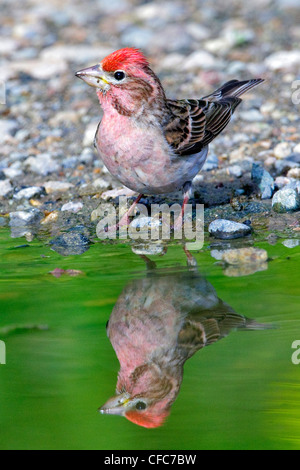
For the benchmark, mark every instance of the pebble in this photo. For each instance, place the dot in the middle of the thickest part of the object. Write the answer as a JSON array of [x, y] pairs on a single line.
[[264, 181], [42, 164], [286, 200], [252, 115], [57, 187], [72, 207], [235, 170], [291, 243], [227, 229], [5, 187], [8, 127], [282, 150], [211, 163], [89, 135], [245, 256], [101, 183], [199, 60], [294, 173], [143, 222], [283, 60], [281, 181], [71, 243], [28, 193], [24, 218]]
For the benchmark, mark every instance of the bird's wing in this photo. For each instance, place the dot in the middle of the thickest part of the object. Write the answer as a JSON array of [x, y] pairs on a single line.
[[195, 123]]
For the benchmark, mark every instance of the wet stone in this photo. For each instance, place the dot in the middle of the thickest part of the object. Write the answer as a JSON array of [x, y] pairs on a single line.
[[227, 229], [286, 200], [71, 243], [264, 181]]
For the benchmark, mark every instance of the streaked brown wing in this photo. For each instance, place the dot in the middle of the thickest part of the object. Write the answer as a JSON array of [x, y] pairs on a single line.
[[195, 123]]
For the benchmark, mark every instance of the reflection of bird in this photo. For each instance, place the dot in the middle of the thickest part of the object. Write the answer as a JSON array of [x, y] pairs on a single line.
[[156, 325], [151, 144]]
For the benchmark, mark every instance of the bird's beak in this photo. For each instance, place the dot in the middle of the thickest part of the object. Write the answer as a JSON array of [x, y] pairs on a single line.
[[93, 76], [116, 405]]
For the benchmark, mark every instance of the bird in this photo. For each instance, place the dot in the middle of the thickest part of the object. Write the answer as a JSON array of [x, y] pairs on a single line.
[[151, 144], [158, 322]]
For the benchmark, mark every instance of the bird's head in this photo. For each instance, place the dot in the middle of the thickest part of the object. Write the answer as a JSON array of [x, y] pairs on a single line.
[[145, 398], [139, 410], [124, 79]]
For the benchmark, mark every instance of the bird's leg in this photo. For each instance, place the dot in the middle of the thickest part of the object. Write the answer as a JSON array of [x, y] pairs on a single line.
[[125, 219], [186, 197]]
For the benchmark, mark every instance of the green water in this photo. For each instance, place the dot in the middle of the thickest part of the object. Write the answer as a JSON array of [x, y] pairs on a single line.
[[239, 393]]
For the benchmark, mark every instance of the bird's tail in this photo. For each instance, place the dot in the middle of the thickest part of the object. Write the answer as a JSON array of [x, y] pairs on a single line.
[[233, 88]]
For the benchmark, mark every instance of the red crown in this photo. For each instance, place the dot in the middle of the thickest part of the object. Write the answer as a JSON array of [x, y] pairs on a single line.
[[122, 58]]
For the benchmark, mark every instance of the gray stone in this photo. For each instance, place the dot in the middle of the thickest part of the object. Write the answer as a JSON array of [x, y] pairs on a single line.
[[42, 164], [24, 218], [28, 193], [72, 207], [211, 163], [264, 181], [226, 229], [291, 243], [71, 243], [5, 187], [286, 200], [8, 127]]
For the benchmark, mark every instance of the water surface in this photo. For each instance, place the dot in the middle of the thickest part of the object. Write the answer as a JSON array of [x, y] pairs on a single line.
[[242, 391]]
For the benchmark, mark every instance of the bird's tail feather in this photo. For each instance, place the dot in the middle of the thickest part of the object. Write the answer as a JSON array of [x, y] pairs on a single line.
[[234, 88]]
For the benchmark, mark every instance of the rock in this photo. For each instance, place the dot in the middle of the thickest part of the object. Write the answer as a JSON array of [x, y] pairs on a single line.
[[114, 193], [286, 200], [245, 256], [199, 60], [74, 53], [296, 149], [142, 222], [71, 243], [291, 243], [42, 164], [57, 186], [5, 188], [282, 150], [28, 193], [89, 134], [8, 127], [281, 181], [226, 229], [39, 68], [72, 207], [211, 163], [235, 170], [100, 183], [283, 60], [264, 180], [251, 115], [3, 221], [294, 173], [147, 249], [24, 218], [137, 36]]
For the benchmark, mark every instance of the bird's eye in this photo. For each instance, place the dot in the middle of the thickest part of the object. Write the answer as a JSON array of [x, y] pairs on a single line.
[[119, 75], [141, 405]]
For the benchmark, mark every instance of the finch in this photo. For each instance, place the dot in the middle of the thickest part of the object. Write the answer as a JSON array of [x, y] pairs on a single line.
[[157, 324], [151, 144]]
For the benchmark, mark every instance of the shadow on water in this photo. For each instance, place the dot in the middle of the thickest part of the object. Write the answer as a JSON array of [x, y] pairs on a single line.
[[157, 324]]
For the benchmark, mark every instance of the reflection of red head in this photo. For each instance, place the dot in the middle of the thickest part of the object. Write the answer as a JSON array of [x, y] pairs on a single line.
[[147, 419]]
